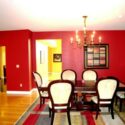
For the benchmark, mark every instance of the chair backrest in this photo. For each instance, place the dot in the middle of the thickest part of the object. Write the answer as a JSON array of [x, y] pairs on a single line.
[[106, 88], [60, 92], [69, 74], [89, 75], [38, 79]]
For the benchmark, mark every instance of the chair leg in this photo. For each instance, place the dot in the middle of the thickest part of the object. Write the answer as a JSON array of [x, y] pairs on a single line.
[[97, 111], [40, 102], [49, 112], [112, 113], [43, 100], [116, 100], [109, 108], [120, 106], [68, 115], [52, 118]]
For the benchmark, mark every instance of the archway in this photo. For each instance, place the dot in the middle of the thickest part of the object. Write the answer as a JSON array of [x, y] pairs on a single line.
[[45, 64]]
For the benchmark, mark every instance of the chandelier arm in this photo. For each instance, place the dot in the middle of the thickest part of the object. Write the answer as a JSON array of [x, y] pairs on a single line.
[[85, 40]]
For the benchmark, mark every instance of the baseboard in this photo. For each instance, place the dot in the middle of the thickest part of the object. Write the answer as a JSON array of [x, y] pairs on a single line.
[[21, 92]]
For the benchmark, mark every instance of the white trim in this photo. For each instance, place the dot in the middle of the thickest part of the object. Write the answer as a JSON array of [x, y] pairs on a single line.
[[21, 92]]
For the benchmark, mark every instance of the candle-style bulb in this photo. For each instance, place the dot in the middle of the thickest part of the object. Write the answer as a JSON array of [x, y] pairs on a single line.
[[71, 40], [100, 39], [93, 33]]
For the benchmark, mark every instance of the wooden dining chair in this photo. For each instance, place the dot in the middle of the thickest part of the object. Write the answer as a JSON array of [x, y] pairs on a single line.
[[89, 76], [42, 90], [60, 93], [89, 79], [106, 90], [69, 74], [121, 97]]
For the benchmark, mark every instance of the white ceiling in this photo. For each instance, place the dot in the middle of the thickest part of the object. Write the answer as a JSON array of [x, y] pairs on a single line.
[[61, 15]]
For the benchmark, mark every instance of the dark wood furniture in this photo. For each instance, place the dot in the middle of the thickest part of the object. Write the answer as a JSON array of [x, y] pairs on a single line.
[[60, 93], [120, 96], [106, 89], [85, 89], [43, 91], [69, 74], [89, 75]]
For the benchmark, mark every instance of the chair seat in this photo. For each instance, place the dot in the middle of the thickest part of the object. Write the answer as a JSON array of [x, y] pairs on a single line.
[[89, 83], [106, 88], [121, 95], [44, 94], [60, 107], [95, 100]]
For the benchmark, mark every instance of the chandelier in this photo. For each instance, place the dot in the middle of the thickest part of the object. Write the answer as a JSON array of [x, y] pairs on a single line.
[[85, 40]]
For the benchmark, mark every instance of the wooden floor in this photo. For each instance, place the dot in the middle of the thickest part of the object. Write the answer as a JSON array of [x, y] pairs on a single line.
[[12, 107]]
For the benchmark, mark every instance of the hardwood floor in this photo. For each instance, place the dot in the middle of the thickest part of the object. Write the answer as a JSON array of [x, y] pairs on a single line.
[[12, 107]]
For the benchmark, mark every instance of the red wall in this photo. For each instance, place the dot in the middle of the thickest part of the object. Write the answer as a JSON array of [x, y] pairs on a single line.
[[73, 57], [18, 52]]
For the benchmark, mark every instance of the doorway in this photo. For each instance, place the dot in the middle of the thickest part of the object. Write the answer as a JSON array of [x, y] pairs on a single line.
[[3, 86], [46, 66]]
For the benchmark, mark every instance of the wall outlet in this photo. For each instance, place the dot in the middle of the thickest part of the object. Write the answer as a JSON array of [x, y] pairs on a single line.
[[21, 85]]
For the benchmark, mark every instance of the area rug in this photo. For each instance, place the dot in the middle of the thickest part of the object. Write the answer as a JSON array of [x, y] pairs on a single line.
[[40, 116], [77, 118], [38, 108], [122, 113]]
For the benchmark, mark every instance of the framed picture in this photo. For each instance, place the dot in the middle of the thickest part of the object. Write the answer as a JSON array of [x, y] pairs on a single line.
[[96, 56], [57, 57]]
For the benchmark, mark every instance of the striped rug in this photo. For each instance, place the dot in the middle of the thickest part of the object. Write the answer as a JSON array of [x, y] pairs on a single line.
[[40, 116]]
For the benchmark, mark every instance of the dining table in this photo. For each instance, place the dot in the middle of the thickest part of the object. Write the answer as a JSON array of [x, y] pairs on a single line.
[[83, 89], [89, 87]]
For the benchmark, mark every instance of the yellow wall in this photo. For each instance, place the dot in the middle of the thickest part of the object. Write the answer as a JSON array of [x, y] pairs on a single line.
[[50, 59], [55, 67], [2, 60]]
